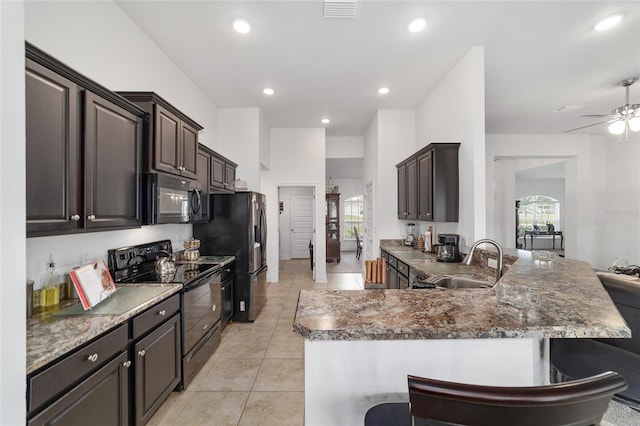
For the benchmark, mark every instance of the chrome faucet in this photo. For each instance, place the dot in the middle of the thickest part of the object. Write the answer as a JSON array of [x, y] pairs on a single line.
[[467, 260]]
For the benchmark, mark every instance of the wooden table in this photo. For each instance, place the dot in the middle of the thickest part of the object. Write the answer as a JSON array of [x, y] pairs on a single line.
[[532, 234]]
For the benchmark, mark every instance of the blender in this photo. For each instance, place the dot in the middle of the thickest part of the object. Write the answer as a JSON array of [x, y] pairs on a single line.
[[411, 236]]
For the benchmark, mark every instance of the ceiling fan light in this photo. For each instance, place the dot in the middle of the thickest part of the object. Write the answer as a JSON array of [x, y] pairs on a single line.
[[634, 124], [617, 127]]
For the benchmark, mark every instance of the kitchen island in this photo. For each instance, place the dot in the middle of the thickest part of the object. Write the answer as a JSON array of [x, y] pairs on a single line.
[[360, 345]]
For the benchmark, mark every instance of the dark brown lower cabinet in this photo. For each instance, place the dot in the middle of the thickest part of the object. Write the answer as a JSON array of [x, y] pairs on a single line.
[[101, 399], [157, 368], [119, 378]]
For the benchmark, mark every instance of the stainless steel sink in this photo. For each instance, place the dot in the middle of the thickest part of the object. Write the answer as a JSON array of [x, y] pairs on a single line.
[[459, 282]]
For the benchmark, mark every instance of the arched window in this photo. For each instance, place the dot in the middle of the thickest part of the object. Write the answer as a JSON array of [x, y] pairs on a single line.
[[353, 216], [538, 211]]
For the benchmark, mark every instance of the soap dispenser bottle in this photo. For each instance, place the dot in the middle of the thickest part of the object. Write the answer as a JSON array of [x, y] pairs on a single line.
[[51, 287]]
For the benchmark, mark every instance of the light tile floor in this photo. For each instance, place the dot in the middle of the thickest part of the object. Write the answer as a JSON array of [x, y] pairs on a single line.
[[256, 377]]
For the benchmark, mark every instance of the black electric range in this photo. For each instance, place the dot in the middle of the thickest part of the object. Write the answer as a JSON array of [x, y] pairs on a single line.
[[200, 301]]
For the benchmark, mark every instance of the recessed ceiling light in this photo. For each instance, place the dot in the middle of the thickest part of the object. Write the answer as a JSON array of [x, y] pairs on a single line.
[[608, 23], [241, 26], [417, 25], [325, 121], [383, 90], [268, 91]]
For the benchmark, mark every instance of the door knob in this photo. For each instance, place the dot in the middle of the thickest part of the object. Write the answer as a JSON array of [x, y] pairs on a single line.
[[75, 217], [91, 217]]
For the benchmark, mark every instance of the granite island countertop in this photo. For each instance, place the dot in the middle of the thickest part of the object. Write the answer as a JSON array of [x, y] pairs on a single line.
[[51, 335], [571, 302]]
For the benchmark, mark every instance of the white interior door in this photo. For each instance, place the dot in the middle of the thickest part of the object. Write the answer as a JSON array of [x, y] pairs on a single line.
[[368, 221], [301, 225]]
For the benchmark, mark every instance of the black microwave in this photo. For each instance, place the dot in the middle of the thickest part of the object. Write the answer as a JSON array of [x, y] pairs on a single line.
[[166, 199]]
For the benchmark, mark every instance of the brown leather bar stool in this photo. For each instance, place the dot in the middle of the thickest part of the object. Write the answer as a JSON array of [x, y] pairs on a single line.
[[436, 402]]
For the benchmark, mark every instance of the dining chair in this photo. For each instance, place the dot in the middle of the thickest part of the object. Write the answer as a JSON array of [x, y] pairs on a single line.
[[436, 402], [358, 243]]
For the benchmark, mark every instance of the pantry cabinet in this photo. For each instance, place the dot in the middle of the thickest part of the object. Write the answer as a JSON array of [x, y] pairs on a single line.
[[83, 152]]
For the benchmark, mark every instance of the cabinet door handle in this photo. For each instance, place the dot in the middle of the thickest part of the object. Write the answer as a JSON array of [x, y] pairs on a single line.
[[126, 364], [162, 313], [75, 217], [92, 357], [142, 352], [91, 217]]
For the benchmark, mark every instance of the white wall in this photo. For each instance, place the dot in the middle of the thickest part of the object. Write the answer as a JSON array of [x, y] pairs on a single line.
[[297, 159], [345, 147], [390, 138], [265, 142], [83, 36], [239, 140], [620, 204], [454, 112], [12, 214], [585, 230], [370, 174], [100, 41]]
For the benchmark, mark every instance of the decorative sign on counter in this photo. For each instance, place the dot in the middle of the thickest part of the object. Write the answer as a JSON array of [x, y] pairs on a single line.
[[93, 283]]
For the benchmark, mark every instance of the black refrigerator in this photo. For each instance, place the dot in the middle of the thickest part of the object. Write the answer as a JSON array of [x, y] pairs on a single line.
[[238, 227]]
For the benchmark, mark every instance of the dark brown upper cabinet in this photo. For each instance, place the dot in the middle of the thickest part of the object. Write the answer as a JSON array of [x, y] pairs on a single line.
[[223, 173], [433, 172], [171, 137], [407, 197], [83, 152]]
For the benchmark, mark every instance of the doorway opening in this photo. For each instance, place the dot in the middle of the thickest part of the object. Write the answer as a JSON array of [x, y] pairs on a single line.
[[296, 223]]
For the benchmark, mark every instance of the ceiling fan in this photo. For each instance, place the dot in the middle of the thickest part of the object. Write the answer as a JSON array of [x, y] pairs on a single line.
[[621, 119]]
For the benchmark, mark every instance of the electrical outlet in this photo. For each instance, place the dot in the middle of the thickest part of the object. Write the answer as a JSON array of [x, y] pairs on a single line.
[[493, 263], [242, 308]]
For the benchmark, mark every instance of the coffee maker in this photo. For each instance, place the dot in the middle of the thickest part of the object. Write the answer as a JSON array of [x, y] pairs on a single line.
[[448, 248]]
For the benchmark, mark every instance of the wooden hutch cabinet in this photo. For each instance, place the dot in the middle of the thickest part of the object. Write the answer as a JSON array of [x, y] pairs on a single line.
[[333, 227]]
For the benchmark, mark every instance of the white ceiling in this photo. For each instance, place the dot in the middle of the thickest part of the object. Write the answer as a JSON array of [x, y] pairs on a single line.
[[539, 56]]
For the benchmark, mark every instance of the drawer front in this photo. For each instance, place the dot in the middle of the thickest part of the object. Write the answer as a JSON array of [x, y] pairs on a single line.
[[393, 261], [47, 384], [403, 268], [155, 315]]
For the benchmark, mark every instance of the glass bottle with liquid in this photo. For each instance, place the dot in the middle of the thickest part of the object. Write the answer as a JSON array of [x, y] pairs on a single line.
[[50, 294]]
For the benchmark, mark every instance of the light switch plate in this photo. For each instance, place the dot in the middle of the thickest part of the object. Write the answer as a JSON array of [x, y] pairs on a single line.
[[492, 263]]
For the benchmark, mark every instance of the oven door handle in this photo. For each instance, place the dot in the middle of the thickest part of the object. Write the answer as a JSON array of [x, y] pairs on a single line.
[[200, 282]]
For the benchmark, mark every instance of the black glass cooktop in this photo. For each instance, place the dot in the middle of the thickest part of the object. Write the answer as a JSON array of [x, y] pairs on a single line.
[[183, 274]]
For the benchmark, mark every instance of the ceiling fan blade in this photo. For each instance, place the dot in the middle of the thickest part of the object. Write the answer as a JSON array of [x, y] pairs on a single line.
[[598, 115], [588, 125]]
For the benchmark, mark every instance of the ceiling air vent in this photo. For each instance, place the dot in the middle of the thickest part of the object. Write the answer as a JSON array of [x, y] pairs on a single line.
[[341, 8]]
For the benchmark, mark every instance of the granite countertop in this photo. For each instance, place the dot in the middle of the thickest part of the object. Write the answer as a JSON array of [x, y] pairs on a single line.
[[51, 333], [568, 301]]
